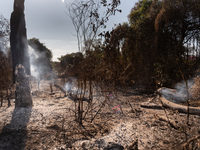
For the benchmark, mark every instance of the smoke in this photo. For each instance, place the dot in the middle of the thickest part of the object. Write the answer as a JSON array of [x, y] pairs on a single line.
[[179, 93], [4, 45], [72, 88], [39, 65], [68, 87], [33, 56]]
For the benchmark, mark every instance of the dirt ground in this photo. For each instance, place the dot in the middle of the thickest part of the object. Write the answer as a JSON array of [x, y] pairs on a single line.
[[51, 124]]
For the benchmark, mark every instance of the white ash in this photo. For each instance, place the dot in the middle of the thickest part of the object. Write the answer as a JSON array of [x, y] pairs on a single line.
[[122, 134]]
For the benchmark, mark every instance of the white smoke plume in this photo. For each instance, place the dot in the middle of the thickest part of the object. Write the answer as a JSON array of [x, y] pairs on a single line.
[[68, 87], [4, 46], [33, 57], [39, 65], [180, 92]]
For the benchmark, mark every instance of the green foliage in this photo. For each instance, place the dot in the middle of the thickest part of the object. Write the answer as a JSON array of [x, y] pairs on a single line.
[[71, 59], [139, 12], [69, 64]]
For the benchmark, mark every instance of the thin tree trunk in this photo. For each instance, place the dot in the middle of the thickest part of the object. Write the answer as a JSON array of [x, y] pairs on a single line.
[[91, 98], [80, 106], [1, 96], [9, 104], [79, 103]]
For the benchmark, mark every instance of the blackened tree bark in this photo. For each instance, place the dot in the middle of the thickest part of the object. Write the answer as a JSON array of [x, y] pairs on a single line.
[[20, 57]]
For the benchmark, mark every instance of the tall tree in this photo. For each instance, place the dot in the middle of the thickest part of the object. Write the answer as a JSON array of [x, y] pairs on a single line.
[[177, 27], [143, 53], [20, 57]]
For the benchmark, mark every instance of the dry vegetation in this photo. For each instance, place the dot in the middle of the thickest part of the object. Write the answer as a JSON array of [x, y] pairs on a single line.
[[133, 60]]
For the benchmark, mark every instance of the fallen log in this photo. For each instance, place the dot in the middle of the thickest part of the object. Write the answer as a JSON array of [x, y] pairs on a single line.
[[61, 88], [173, 106], [179, 108]]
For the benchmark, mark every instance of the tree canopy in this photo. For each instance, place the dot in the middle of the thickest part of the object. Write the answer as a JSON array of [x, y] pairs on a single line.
[[40, 48]]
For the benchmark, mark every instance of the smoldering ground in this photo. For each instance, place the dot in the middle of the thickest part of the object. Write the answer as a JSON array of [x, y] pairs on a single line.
[[180, 93]]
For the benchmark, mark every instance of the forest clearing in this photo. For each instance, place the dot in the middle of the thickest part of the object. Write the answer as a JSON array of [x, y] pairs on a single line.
[[134, 87]]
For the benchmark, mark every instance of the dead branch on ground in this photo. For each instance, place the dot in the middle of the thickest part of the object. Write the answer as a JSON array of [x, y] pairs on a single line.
[[186, 144], [172, 123], [151, 105]]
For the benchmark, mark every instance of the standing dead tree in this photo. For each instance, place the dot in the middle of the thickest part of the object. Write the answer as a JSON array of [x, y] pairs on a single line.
[[20, 57]]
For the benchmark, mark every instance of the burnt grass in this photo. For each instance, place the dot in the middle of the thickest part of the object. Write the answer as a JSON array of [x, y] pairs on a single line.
[[52, 124]]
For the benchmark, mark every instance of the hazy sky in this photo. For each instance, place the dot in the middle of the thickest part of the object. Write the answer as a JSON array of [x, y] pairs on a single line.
[[47, 20]]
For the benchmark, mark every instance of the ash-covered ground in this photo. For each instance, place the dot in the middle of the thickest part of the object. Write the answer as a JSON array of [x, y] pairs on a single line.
[[51, 124]]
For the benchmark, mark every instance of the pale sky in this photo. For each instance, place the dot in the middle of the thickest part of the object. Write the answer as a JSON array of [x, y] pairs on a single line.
[[47, 21]]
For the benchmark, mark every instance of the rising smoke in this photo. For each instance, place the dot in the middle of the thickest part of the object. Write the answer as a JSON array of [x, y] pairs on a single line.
[[40, 66], [4, 45], [180, 93], [33, 56]]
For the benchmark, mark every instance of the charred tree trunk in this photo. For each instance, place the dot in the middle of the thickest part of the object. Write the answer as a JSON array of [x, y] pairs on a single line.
[[9, 104], [91, 97], [1, 96], [80, 113], [79, 101], [20, 57]]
